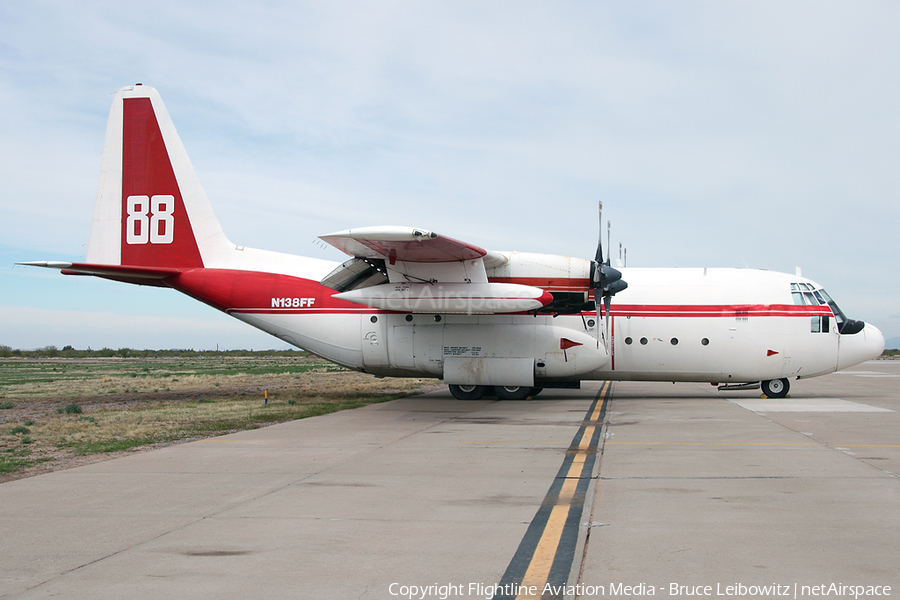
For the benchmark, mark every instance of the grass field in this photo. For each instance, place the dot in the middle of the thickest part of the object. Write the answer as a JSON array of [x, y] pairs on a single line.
[[56, 413]]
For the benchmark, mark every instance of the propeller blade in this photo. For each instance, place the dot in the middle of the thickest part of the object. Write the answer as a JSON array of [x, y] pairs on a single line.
[[607, 300], [599, 308], [598, 257], [605, 282]]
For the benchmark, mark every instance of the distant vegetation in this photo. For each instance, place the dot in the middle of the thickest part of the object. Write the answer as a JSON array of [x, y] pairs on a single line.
[[59, 406], [70, 352]]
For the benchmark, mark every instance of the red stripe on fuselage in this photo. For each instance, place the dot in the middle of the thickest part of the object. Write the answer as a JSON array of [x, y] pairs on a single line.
[[271, 293], [717, 310]]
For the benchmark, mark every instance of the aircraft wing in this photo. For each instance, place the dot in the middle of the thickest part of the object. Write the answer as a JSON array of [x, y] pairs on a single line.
[[425, 273], [404, 244]]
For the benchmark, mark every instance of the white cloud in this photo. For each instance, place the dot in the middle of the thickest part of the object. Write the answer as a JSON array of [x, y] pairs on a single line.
[[715, 133]]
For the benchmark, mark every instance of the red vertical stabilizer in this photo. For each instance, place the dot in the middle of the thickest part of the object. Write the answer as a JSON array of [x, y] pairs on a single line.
[[156, 228]]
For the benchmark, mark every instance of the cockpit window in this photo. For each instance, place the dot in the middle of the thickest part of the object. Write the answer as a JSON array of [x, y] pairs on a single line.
[[838, 314], [804, 294], [796, 294]]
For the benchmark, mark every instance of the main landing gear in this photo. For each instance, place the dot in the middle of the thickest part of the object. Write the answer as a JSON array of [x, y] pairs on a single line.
[[776, 388], [476, 392]]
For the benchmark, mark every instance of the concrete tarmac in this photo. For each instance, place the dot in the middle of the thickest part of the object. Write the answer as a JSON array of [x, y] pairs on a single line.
[[690, 486], [702, 488]]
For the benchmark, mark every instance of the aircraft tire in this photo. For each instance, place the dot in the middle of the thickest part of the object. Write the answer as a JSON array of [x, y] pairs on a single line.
[[776, 388], [512, 392], [535, 391], [467, 392]]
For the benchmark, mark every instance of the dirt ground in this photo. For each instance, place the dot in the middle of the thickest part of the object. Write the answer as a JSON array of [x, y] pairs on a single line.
[[145, 406]]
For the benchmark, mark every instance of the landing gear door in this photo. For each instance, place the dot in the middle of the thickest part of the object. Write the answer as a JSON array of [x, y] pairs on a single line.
[[401, 347], [466, 370]]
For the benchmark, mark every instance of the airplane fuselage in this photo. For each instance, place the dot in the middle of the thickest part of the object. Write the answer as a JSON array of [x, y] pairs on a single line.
[[671, 324]]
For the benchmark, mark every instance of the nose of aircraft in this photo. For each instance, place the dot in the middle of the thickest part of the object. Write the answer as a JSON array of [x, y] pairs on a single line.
[[866, 344]]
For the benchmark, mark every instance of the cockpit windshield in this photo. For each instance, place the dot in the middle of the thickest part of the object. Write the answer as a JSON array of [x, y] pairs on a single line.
[[838, 314], [805, 293]]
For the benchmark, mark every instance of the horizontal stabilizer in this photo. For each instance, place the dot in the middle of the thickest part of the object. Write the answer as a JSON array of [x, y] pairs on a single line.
[[144, 275]]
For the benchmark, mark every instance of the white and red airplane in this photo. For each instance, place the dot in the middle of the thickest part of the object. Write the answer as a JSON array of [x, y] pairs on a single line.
[[412, 303]]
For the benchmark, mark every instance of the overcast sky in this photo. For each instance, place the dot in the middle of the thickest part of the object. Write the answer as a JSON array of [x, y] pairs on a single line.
[[738, 134]]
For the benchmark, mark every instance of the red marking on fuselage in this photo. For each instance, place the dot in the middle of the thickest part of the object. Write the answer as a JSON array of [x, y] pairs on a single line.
[[717, 310], [252, 292], [565, 344]]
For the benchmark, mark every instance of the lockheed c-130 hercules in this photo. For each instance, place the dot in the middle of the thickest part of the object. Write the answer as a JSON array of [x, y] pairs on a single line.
[[410, 302]]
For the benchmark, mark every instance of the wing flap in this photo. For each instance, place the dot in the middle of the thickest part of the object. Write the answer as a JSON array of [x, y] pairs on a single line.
[[355, 273]]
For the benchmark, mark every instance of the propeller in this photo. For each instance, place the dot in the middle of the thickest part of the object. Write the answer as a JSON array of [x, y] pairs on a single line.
[[605, 280]]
